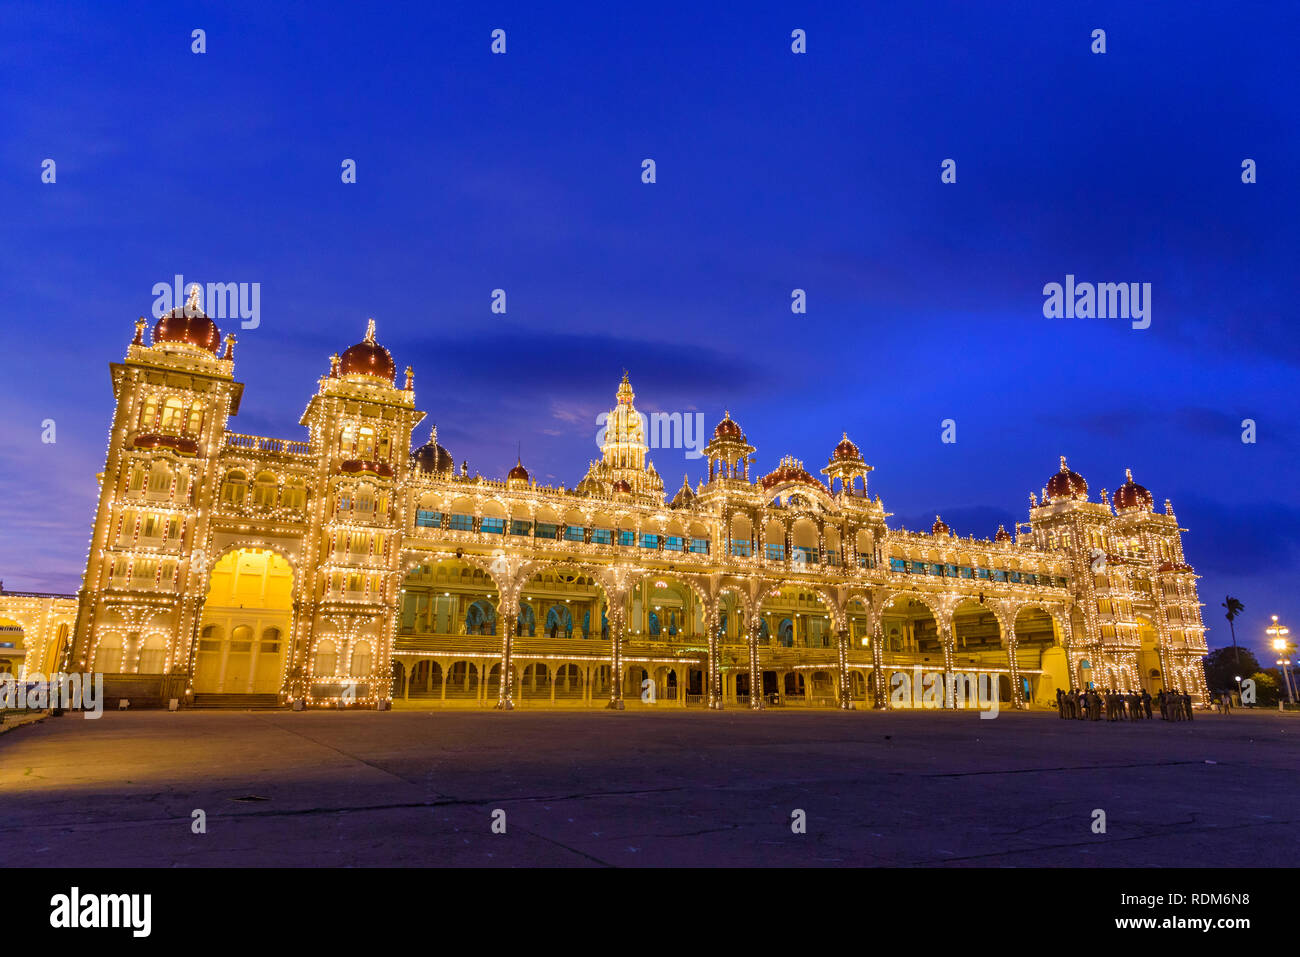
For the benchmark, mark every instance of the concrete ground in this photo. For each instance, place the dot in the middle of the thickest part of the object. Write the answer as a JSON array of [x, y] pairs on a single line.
[[648, 788]]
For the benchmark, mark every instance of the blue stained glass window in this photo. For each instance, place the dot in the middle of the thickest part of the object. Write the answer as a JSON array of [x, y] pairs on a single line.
[[602, 536], [700, 546], [427, 519], [775, 552], [626, 537], [463, 523], [494, 526]]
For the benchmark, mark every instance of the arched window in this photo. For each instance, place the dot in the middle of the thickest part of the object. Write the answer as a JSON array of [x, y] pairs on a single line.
[[149, 412], [294, 496], [160, 478], [264, 490], [108, 656], [173, 414], [326, 659], [153, 655], [366, 442], [364, 500], [235, 488], [480, 619], [361, 660], [785, 633], [195, 425]]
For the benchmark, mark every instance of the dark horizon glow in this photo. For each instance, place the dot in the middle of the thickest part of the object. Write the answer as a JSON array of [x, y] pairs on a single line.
[[775, 171]]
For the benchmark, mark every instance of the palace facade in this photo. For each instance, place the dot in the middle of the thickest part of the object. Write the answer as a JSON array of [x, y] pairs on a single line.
[[345, 568]]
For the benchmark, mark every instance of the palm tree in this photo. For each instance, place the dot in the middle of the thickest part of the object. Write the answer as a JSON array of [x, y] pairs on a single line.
[[1235, 608]]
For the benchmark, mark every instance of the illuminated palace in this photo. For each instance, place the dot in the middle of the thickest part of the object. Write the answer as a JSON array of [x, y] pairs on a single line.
[[341, 568]]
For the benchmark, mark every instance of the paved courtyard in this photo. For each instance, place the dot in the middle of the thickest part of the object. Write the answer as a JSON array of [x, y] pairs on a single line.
[[648, 789]]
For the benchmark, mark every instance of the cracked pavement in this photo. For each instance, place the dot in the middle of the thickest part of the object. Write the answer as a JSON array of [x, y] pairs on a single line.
[[643, 788]]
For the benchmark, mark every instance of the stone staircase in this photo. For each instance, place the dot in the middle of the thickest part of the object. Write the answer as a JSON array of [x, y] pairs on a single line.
[[238, 702]]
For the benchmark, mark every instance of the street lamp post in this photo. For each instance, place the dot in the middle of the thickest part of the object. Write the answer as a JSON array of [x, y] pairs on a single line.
[[1284, 648]]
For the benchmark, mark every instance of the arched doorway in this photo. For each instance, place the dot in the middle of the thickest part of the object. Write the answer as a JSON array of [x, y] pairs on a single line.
[[980, 648], [247, 618], [1040, 654], [1149, 666]]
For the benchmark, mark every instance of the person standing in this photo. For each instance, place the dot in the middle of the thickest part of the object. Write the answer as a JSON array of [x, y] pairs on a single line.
[[1146, 702]]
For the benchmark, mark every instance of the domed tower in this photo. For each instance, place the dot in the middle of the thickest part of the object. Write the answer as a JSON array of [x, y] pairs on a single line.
[[432, 459], [173, 398], [623, 454], [728, 451], [846, 465], [1131, 497], [360, 424]]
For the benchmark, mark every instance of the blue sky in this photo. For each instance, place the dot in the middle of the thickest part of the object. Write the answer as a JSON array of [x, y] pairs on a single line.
[[775, 171]]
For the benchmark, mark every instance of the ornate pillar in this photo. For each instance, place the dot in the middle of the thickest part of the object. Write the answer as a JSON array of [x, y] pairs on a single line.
[[945, 639], [616, 676], [755, 666], [713, 686], [1017, 691], [846, 689], [879, 685], [506, 694]]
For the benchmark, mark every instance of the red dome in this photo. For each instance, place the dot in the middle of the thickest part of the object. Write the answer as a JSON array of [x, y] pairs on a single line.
[[685, 495], [622, 486], [846, 450], [518, 473], [196, 330], [1003, 535], [368, 358], [432, 457], [728, 429], [1066, 484], [1130, 495], [790, 470], [940, 527]]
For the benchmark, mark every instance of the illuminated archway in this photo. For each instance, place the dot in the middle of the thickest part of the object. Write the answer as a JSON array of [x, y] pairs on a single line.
[[246, 621]]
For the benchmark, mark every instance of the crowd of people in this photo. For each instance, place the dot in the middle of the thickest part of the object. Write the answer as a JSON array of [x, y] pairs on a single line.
[[1088, 704]]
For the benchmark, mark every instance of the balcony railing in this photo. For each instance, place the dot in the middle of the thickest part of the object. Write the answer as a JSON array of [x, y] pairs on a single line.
[[260, 443]]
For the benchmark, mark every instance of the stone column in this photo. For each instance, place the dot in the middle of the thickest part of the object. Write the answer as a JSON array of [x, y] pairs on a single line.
[[945, 639], [879, 684], [1017, 692], [755, 666], [506, 694], [616, 676], [713, 687], [846, 688]]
